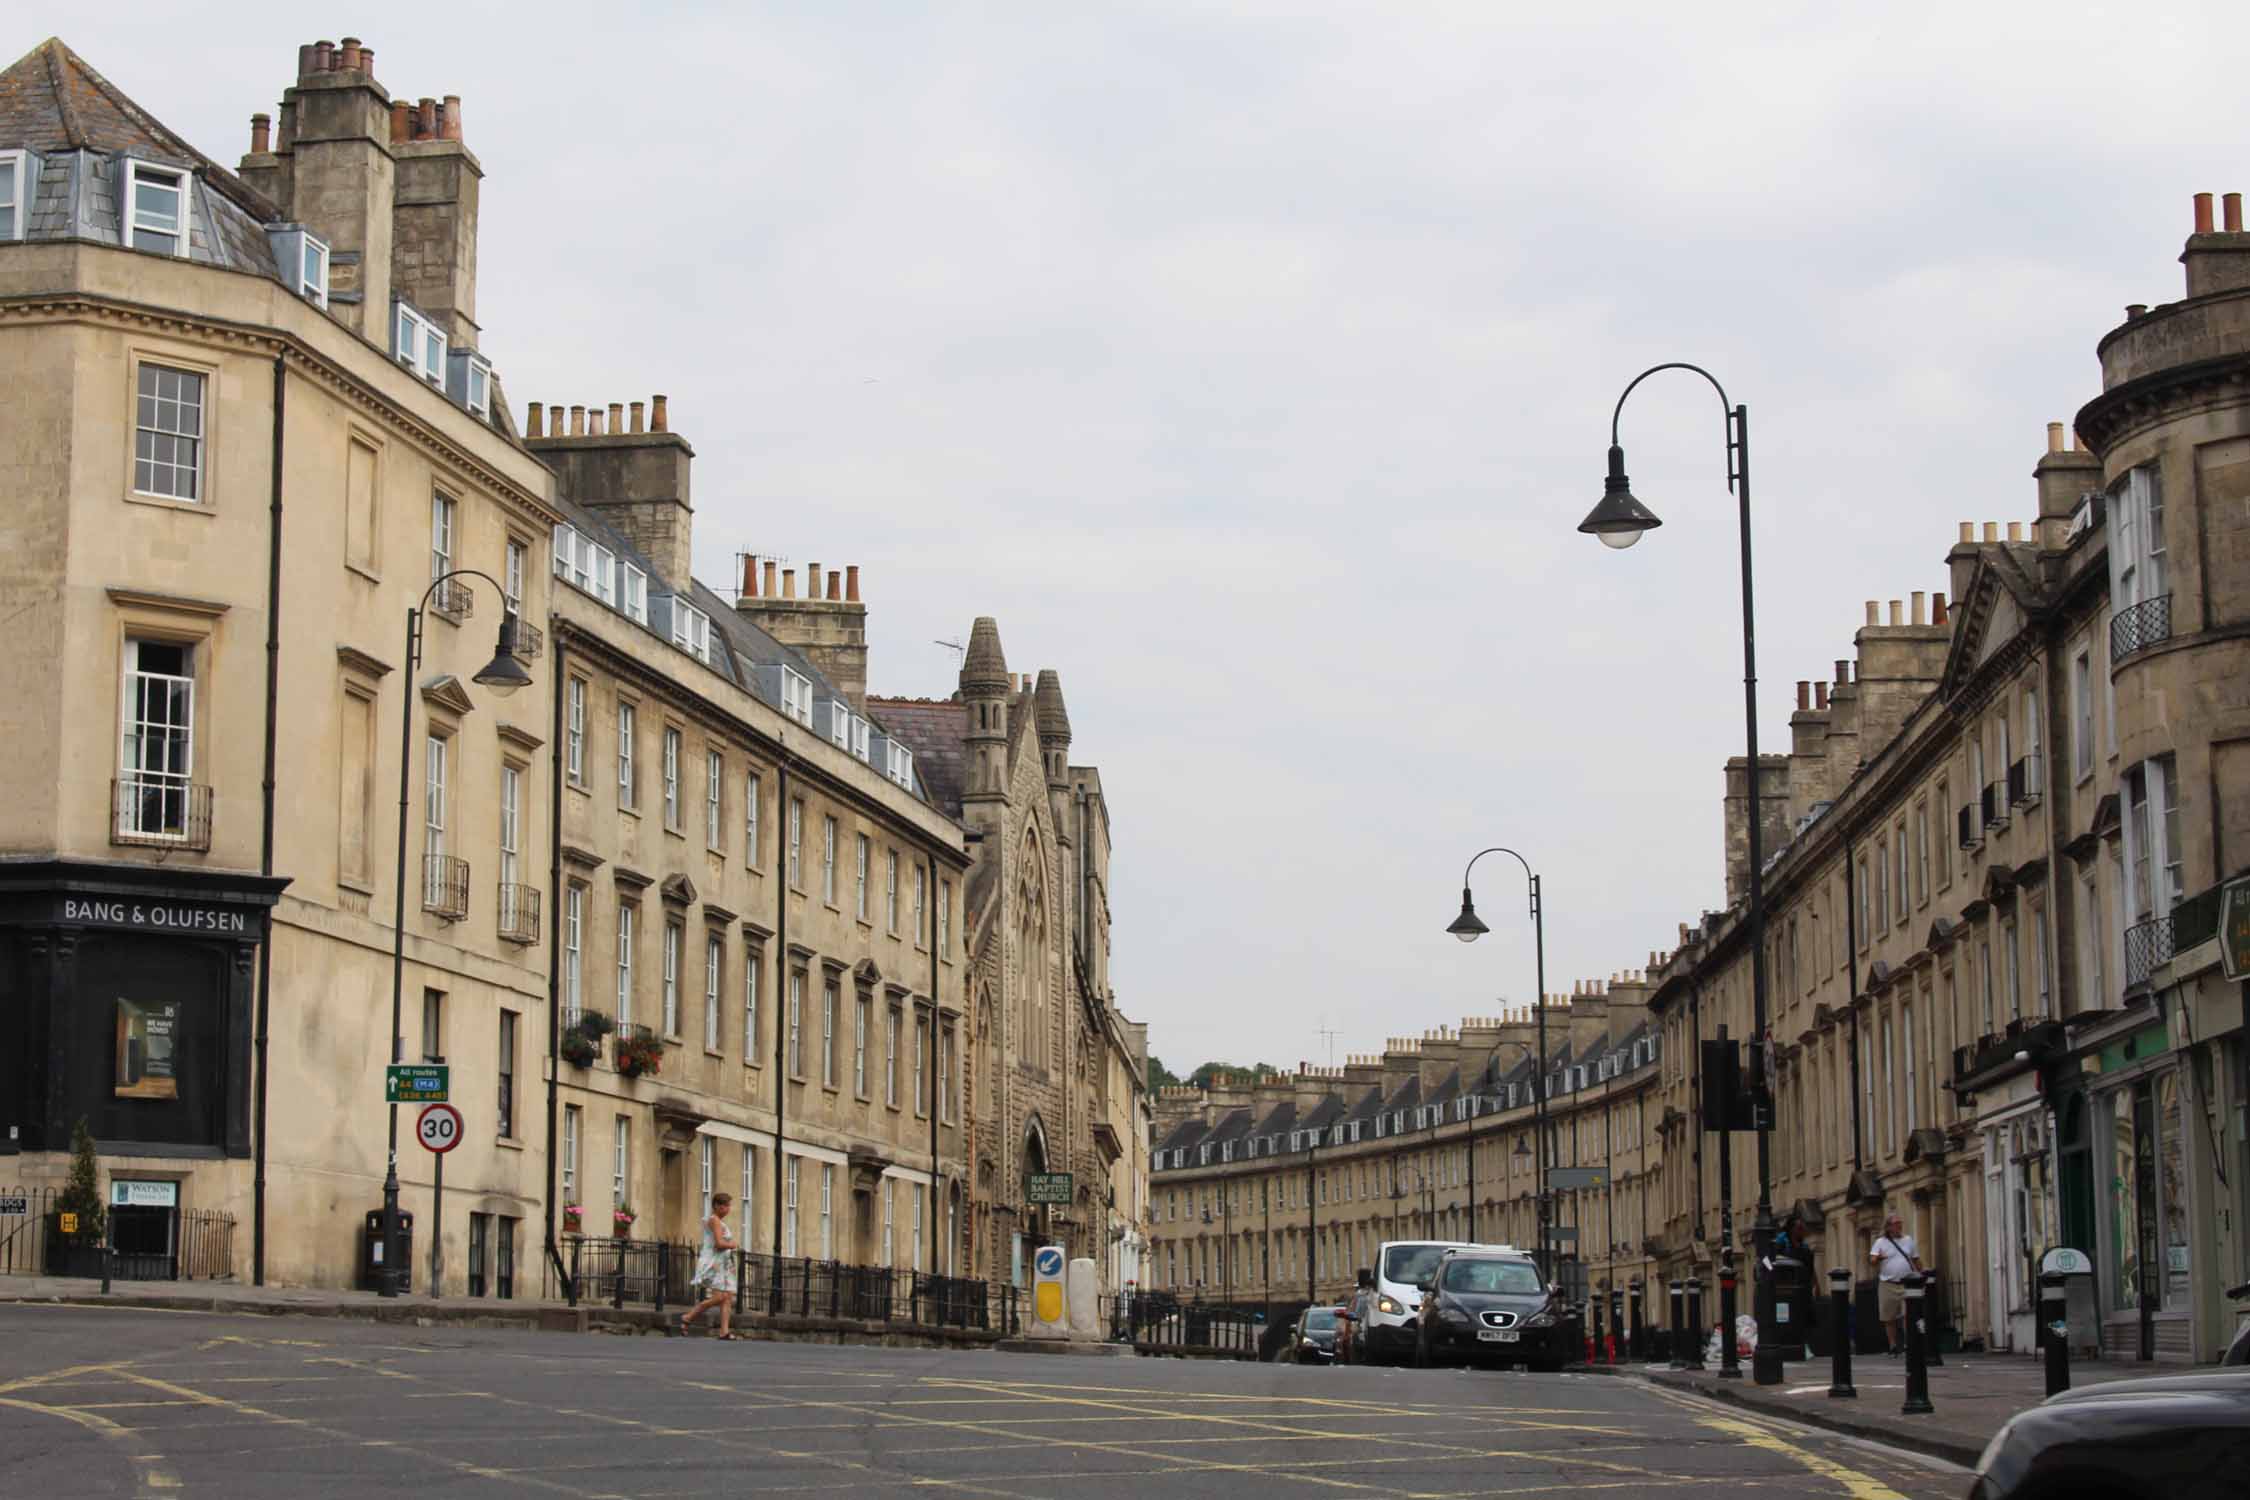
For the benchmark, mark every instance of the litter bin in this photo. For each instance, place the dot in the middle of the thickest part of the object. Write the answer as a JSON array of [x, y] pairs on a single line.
[[1793, 1308], [371, 1252]]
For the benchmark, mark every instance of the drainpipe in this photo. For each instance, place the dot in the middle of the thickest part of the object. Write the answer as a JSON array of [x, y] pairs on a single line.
[[554, 945], [781, 1028], [930, 1236], [1851, 963], [265, 833], [1695, 1093]]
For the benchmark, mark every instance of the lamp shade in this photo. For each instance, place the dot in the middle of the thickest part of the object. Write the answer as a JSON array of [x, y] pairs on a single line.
[[1619, 519], [504, 674], [1468, 927]]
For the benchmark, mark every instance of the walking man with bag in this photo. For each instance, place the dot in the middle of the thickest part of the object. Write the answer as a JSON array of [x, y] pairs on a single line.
[[1895, 1257]]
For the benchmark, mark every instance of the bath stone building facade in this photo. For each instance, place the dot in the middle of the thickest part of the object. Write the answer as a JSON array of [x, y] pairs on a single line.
[[1280, 1189], [1057, 1077]]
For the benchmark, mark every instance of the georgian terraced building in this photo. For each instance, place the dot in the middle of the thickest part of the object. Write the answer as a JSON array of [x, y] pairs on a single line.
[[687, 914], [1995, 998]]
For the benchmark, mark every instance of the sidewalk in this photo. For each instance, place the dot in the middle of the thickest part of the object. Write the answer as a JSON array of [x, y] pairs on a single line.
[[554, 1316], [1973, 1394]]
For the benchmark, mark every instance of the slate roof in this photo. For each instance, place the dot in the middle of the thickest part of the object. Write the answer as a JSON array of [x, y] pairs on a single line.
[[82, 127], [936, 730]]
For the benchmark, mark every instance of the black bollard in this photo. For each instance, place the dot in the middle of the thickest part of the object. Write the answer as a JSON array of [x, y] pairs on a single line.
[[1672, 1337], [1917, 1343], [1839, 1333], [1730, 1354], [2054, 1330], [1696, 1330]]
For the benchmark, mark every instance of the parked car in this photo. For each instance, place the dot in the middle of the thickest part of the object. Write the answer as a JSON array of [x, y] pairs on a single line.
[[2174, 1437], [1491, 1306], [2238, 1352], [1313, 1341], [1400, 1268]]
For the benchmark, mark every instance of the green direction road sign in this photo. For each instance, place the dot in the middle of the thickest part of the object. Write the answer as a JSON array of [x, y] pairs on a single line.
[[1562, 1179], [2234, 930], [416, 1083], [1562, 1232], [1047, 1187]]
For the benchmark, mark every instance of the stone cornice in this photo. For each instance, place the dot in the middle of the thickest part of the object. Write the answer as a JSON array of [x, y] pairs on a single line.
[[177, 604]]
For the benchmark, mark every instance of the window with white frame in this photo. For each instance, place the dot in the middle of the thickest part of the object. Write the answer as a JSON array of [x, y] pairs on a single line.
[[2082, 715], [672, 937], [1882, 888], [890, 891], [477, 394], [1898, 871], [572, 1115], [828, 860], [752, 962], [945, 1075], [628, 779], [796, 871], [418, 344], [921, 892], [706, 1167], [2033, 772], [156, 756], [714, 960], [511, 574], [889, 1248], [691, 630], [898, 763], [797, 697], [168, 432], [748, 1197], [891, 1021], [945, 919], [827, 1211], [840, 723], [862, 744], [789, 1186], [859, 877], [574, 953], [2012, 949], [752, 786], [921, 1074], [632, 593], [574, 732], [312, 271], [511, 839], [796, 1023], [157, 203], [2152, 840], [831, 1001], [2138, 570], [625, 914], [15, 193], [444, 515], [1922, 853], [860, 1008], [671, 777], [620, 1162], [2039, 997], [433, 814]]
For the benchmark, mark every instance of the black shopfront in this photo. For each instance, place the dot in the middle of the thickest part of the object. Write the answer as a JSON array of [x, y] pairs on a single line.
[[130, 991]]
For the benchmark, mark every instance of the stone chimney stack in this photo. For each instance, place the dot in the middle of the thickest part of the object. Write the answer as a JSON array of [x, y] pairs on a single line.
[[1900, 664], [1773, 807], [434, 243], [830, 628], [2065, 472], [331, 169], [2217, 257], [637, 480]]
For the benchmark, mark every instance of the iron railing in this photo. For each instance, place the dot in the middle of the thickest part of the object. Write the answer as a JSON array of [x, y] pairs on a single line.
[[445, 886], [2149, 946], [2140, 626], [153, 809], [529, 638], [519, 913], [453, 599], [661, 1273], [1166, 1324], [201, 1246]]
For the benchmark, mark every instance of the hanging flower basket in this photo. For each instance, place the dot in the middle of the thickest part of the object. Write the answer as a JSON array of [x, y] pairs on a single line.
[[639, 1054], [578, 1049]]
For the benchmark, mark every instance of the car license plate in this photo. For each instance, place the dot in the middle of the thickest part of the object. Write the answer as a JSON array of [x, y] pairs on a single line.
[[1497, 1335]]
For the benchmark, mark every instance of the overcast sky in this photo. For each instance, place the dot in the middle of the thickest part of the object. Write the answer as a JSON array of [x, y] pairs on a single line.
[[1253, 363]]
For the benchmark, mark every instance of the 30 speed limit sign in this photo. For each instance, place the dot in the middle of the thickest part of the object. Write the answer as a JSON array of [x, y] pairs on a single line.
[[439, 1127]]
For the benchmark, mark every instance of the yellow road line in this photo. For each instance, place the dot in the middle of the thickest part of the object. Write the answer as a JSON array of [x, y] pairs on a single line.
[[1855, 1484], [149, 1474]]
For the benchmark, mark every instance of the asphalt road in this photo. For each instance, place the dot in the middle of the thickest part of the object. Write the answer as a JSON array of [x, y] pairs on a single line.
[[104, 1402]]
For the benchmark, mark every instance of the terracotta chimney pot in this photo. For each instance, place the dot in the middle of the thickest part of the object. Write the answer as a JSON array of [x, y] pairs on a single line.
[[1804, 695], [452, 130], [261, 134], [2054, 437], [532, 419], [616, 417], [2202, 213], [323, 58], [1920, 611], [1820, 697], [2015, 531], [771, 565], [835, 586], [1874, 613], [1898, 613], [637, 427], [851, 583], [2230, 207], [425, 120], [347, 57], [1968, 533], [402, 121], [788, 583], [1937, 609], [367, 61], [812, 580], [657, 420], [749, 567]]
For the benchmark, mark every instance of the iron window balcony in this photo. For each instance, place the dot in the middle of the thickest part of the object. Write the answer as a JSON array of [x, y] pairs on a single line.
[[445, 886], [2140, 626], [529, 638], [2149, 946], [2024, 782], [519, 913], [452, 599], [157, 810]]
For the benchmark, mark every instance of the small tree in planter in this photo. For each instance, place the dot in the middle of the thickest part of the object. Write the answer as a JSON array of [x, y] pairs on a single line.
[[622, 1218], [574, 1218], [79, 1254], [638, 1054]]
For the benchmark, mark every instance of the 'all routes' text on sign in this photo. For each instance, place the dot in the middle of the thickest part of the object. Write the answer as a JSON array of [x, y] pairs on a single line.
[[415, 1083]]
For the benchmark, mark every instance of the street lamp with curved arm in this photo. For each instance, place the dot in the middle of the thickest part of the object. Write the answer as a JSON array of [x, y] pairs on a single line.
[[503, 675], [1618, 520], [1468, 927]]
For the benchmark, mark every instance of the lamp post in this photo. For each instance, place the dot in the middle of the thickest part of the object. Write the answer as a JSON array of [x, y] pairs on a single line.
[[503, 675], [1618, 520], [1468, 928]]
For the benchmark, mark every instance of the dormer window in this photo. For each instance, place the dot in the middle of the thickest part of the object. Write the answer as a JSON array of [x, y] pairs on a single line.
[[15, 193], [898, 763], [633, 599], [840, 723], [479, 397], [156, 209], [418, 345], [797, 697], [862, 736], [312, 272], [691, 630]]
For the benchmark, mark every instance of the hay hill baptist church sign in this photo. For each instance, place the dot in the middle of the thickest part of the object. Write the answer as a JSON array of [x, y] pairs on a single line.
[[158, 916]]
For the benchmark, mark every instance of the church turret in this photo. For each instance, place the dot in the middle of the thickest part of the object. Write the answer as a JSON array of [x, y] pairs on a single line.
[[984, 690], [1053, 720]]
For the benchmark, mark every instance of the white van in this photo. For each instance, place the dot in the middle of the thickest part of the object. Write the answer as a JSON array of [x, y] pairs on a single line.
[[1401, 1266]]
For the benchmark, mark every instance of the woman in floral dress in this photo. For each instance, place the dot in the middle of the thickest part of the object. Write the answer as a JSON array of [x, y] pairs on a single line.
[[714, 1268]]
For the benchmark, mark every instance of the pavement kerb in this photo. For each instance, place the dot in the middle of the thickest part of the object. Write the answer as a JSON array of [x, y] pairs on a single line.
[[1835, 1416]]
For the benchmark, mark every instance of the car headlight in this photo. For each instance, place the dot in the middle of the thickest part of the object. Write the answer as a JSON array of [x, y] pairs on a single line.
[[1452, 1314], [1388, 1304], [1540, 1319]]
